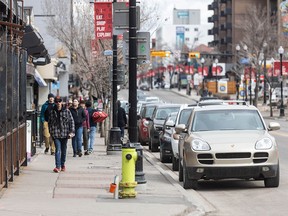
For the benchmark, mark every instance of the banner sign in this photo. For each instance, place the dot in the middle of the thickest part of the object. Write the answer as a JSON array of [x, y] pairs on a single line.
[[277, 71], [103, 20]]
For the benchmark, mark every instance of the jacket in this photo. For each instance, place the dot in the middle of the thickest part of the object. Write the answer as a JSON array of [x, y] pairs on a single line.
[[44, 115], [61, 123], [86, 123], [91, 111], [122, 119], [79, 116]]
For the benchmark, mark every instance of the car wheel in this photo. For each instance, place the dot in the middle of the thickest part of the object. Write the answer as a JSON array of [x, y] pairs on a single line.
[[175, 166], [154, 147], [163, 157], [188, 183], [180, 171], [273, 182]]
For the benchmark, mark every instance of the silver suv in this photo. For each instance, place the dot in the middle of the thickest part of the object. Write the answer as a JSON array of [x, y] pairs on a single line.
[[227, 141]]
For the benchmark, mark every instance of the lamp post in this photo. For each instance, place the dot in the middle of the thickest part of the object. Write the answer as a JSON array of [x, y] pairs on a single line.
[[202, 64], [250, 84], [188, 81], [237, 89], [216, 62], [270, 91], [281, 51], [264, 72], [245, 49]]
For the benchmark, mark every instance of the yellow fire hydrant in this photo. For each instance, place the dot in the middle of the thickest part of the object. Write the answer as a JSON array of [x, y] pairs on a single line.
[[128, 183]]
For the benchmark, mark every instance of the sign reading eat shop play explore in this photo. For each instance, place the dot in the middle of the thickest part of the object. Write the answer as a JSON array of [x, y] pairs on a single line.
[[103, 20]]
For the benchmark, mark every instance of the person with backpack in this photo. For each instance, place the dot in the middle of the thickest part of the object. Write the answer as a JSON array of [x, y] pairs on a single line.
[[93, 126], [79, 117]]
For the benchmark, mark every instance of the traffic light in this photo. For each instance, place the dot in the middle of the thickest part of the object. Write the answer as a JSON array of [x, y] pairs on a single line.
[[194, 54]]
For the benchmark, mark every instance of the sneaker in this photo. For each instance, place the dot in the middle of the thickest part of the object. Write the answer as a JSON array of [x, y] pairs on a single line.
[[52, 153], [63, 168], [56, 170], [80, 154], [46, 150], [86, 153], [74, 155]]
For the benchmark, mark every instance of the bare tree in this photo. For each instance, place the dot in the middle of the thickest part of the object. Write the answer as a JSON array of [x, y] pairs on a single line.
[[74, 28], [258, 29]]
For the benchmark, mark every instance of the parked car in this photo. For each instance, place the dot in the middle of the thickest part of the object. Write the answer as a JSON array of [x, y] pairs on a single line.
[[227, 141], [141, 96], [144, 87], [152, 99], [156, 123], [145, 114], [182, 118], [165, 138]]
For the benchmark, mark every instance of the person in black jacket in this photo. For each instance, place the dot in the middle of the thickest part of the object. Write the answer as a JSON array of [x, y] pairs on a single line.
[[122, 119], [79, 117]]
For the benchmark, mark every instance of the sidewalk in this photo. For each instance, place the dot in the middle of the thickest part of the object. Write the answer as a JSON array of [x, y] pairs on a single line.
[[83, 188]]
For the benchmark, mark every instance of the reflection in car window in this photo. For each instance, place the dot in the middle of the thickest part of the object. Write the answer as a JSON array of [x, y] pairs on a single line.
[[162, 113], [184, 116], [149, 111], [227, 120]]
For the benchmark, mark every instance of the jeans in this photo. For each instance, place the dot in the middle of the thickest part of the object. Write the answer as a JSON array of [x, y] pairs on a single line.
[[92, 135], [77, 140], [122, 131], [85, 138], [60, 155]]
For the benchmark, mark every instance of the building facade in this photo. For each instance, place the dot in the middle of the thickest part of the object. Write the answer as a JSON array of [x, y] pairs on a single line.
[[227, 17]]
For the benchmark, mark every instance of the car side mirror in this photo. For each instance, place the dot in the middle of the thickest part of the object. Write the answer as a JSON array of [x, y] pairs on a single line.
[[170, 123], [181, 128], [273, 126]]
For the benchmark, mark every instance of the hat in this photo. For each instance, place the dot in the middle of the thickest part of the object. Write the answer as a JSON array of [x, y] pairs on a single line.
[[50, 95], [57, 99]]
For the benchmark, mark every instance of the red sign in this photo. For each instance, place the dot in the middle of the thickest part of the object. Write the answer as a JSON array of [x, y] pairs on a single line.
[[205, 71], [277, 71], [103, 20]]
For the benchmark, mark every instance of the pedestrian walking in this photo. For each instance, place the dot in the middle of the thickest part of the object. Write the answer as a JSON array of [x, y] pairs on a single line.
[[62, 128], [93, 126], [44, 117], [79, 117], [122, 119], [86, 128]]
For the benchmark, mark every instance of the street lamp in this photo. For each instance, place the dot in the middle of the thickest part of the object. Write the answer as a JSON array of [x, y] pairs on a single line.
[[216, 62], [237, 84], [281, 51], [202, 64], [245, 49], [270, 91], [264, 71], [188, 81]]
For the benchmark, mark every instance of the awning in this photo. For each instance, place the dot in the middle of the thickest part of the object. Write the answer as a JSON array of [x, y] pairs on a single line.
[[33, 43], [33, 71]]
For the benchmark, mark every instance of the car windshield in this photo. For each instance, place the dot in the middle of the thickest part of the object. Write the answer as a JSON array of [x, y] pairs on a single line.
[[162, 113], [212, 120], [184, 116], [148, 112]]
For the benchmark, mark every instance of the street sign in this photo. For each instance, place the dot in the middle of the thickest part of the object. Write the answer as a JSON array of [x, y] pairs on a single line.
[[194, 54], [121, 17], [143, 47], [160, 53]]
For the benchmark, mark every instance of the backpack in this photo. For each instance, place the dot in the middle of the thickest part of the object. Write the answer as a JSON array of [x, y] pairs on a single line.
[[99, 116]]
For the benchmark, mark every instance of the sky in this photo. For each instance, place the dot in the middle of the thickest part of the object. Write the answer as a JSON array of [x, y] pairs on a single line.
[[166, 8]]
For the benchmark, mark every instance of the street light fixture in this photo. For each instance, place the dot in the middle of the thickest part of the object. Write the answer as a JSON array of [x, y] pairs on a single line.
[[216, 62], [281, 51], [202, 64]]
